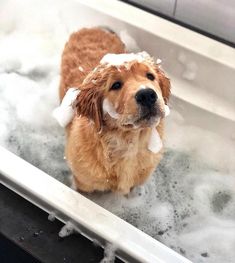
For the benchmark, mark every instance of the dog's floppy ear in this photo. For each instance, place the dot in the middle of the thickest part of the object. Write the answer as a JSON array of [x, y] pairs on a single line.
[[89, 104], [164, 83]]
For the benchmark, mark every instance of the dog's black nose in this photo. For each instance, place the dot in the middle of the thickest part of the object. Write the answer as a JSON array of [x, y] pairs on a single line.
[[146, 97]]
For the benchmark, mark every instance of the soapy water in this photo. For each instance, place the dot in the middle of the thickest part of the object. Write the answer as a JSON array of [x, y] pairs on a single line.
[[189, 201]]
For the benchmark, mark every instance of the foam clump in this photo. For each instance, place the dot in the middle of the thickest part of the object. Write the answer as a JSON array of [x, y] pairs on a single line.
[[28, 98], [67, 230], [109, 254], [158, 61], [52, 217], [155, 142], [120, 59], [65, 112]]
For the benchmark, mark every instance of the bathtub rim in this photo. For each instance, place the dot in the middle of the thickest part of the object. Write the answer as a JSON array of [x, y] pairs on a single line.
[[176, 34], [65, 203]]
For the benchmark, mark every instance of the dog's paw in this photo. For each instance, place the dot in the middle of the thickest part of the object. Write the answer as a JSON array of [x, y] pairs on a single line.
[[124, 191]]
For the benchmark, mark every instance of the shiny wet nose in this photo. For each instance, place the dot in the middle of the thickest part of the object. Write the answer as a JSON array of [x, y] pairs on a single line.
[[146, 97]]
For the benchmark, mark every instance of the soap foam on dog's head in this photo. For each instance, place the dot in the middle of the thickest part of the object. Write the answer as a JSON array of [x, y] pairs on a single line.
[[120, 59]]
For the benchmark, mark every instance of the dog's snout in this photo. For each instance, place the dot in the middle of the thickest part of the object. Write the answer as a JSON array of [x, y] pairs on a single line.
[[146, 97]]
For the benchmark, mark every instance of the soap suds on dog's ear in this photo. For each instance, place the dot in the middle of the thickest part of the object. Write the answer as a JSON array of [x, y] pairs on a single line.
[[65, 112], [108, 108]]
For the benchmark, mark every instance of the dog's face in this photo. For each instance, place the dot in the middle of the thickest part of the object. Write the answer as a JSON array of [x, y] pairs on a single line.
[[128, 96]]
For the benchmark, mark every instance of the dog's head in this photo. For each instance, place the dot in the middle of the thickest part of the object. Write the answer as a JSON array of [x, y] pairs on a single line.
[[127, 91]]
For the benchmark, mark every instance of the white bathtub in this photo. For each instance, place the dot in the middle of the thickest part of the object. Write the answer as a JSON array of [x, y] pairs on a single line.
[[208, 103]]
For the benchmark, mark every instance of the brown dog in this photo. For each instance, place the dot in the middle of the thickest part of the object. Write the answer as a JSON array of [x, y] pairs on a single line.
[[114, 141]]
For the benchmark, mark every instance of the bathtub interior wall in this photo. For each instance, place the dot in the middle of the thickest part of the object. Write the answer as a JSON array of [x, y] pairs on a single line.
[[188, 203]]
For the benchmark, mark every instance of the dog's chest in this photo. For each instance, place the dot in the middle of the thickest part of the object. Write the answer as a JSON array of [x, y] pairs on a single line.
[[118, 149], [128, 155], [129, 164]]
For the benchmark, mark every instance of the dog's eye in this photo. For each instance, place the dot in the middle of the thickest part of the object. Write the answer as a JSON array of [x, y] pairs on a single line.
[[150, 76], [116, 85]]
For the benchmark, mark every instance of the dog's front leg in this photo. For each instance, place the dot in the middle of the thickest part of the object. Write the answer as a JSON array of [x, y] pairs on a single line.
[[125, 184]]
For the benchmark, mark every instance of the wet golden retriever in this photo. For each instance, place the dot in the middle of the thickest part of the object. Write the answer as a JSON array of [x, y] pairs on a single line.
[[114, 139]]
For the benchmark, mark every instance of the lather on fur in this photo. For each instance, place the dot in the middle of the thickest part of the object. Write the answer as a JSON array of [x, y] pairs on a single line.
[[119, 110]]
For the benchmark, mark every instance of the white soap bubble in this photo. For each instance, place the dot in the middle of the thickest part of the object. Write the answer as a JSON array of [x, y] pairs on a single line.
[[109, 254], [67, 230]]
